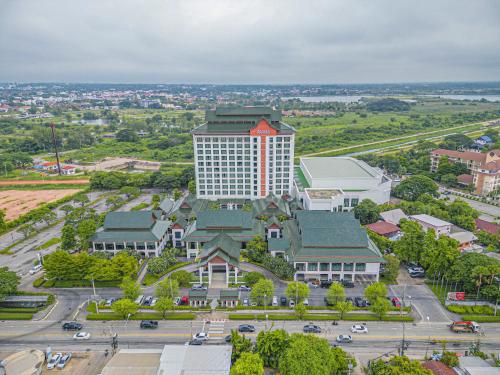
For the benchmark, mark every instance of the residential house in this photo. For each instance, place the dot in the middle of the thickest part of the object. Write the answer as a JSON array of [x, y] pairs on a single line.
[[385, 229], [466, 240], [48, 166], [487, 226], [338, 183], [394, 216], [68, 170], [430, 222]]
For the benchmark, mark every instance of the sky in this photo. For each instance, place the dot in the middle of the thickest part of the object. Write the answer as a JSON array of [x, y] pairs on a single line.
[[249, 41]]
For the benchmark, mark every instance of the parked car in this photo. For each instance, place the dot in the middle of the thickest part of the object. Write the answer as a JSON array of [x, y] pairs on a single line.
[[56, 358], [325, 283], [198, 287], [246, 328], [344, 339], [154, 301], [283, 301], [291, 303], [35, 269], [177, 301], [275, 301], [184, 300], [147, 301], [360, 302], [245, 302], [110, 301], [81, 336], [72, 326], [347, 284], [64, 361], [139, 299], [396, 302], [311, 328], [244, 288], [196, 342], [201, 336], [358, 328], [305, 302], [149, 324], [416, 273], [350, 299], [228, 338], [327, 303], [314, 285]]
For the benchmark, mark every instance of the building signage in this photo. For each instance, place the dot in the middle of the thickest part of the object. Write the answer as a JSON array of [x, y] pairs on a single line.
[[263, 132]]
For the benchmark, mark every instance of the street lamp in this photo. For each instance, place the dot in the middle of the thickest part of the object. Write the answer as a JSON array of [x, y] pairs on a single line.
[[429, 340]]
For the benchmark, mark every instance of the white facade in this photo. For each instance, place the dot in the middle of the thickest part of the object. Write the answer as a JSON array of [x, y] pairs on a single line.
[[336, 271], [243, 166], [430, 222], [339, 184]]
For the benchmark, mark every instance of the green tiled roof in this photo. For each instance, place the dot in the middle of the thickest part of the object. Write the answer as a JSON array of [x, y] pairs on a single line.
[[129, 220], [167, 204], [198, 295], [262, 206], [224, 246], [229, 295], [224, 219], [155, 233], [278, 244]]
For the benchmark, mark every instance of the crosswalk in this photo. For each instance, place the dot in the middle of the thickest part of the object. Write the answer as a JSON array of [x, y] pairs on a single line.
[[216, 329]]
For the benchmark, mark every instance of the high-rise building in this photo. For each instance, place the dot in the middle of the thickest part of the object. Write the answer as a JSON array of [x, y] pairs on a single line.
[[244, 153]]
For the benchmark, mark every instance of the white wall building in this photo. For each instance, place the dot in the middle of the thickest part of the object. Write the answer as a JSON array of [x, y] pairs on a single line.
[[339, 183], [431, 222], [243, 153]]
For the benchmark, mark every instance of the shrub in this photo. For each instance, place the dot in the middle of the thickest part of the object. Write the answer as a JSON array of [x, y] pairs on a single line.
[[38, 282], [478, 309], [184, 278]]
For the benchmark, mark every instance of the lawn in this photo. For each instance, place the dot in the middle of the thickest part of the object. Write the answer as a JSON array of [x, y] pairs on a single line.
[[142, 316], [150, 279], [313, 317], [49, 243]]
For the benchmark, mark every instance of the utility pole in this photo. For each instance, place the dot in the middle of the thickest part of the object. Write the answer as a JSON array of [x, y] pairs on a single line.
[[52, 127]]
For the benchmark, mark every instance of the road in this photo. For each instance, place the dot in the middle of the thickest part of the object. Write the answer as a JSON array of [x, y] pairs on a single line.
[[488, 211]]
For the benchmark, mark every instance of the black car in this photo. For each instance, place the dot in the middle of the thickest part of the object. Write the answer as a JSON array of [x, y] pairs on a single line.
[[228, 338], [349, 299], [196, 342], [325, 283], [246, 328], [283, 301], [149, 324], [311, 328], [347, 284], [360, 302], [72, 326]]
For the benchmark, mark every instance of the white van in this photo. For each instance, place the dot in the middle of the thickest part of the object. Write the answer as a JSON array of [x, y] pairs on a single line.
[[139, 299], [35, 269], [275, 301]]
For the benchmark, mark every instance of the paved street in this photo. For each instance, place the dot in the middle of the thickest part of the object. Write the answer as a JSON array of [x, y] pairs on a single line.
[[488, 211]]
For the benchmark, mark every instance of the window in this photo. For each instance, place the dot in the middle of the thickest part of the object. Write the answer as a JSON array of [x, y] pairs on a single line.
[[348, 266], [300, 267], [324, 266], [354, 202], [346, 202], [361, 267], [312, 266], [177, 234], [336, 266]]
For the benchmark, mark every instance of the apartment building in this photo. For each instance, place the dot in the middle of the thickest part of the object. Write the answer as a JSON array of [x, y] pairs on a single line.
[[483, 167], [244, 153]]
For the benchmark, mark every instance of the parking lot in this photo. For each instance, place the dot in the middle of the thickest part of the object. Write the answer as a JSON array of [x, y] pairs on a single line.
[[83, 363]]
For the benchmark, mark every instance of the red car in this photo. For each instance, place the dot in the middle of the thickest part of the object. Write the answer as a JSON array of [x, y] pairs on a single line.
[[184, 300], [396, 302]]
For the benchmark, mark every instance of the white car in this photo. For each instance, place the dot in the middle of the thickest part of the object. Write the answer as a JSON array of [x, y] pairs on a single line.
[[344, 339], [305, 302], [54, 361], [358, 328], [177, 301], [153, 302], [202, 336], [35, 269], [82, 336], [64, 360]]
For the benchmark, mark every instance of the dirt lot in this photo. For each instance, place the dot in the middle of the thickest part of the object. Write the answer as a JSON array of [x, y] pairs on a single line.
[[18, 202], [82, 363], [43, 182]]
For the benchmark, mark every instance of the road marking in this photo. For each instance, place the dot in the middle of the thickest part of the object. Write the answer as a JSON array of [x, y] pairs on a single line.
[[53, 307]]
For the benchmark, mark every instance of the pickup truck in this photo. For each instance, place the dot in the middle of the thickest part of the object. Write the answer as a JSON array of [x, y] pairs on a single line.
[[469, 326]]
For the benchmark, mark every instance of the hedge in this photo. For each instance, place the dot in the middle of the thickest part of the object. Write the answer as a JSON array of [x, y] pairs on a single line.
[[39, 282], [478, 309], [347, 317], [79, 283], [482, 318], [141, 316], [27, 310], [15, 316]]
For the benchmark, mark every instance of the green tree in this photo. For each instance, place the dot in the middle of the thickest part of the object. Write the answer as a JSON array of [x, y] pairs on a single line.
[[67, 208], [155, 200], [2, 220], [177, 194], [439, 253], [167, 288], [413, 187], [131, 290], [113, 201], [26, 230], [192, 187], [375, 291], [449, 180], [125, 307], [391, 269], [130, 191], [248, 364], [300, 310], [256, 249], [262, 292], [8, 282], [367, 212], [86, 229], [380, 307], [126, 135], [240, 345], [335, 293], [82, 199], [251, 278], [297, 291], [343, 307], [398, 366], [450, 359], [271, 345], [309, 354], [68, 240], [184, 278], [164, 305], [409, 247]]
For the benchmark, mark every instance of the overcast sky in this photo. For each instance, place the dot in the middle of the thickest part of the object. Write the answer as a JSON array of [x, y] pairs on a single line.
[[240, 41]]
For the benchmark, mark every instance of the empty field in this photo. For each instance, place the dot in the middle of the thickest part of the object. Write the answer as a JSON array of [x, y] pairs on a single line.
[[18, 202]]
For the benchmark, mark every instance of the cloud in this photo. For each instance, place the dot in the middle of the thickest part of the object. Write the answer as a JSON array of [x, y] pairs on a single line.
[[249, 41]]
